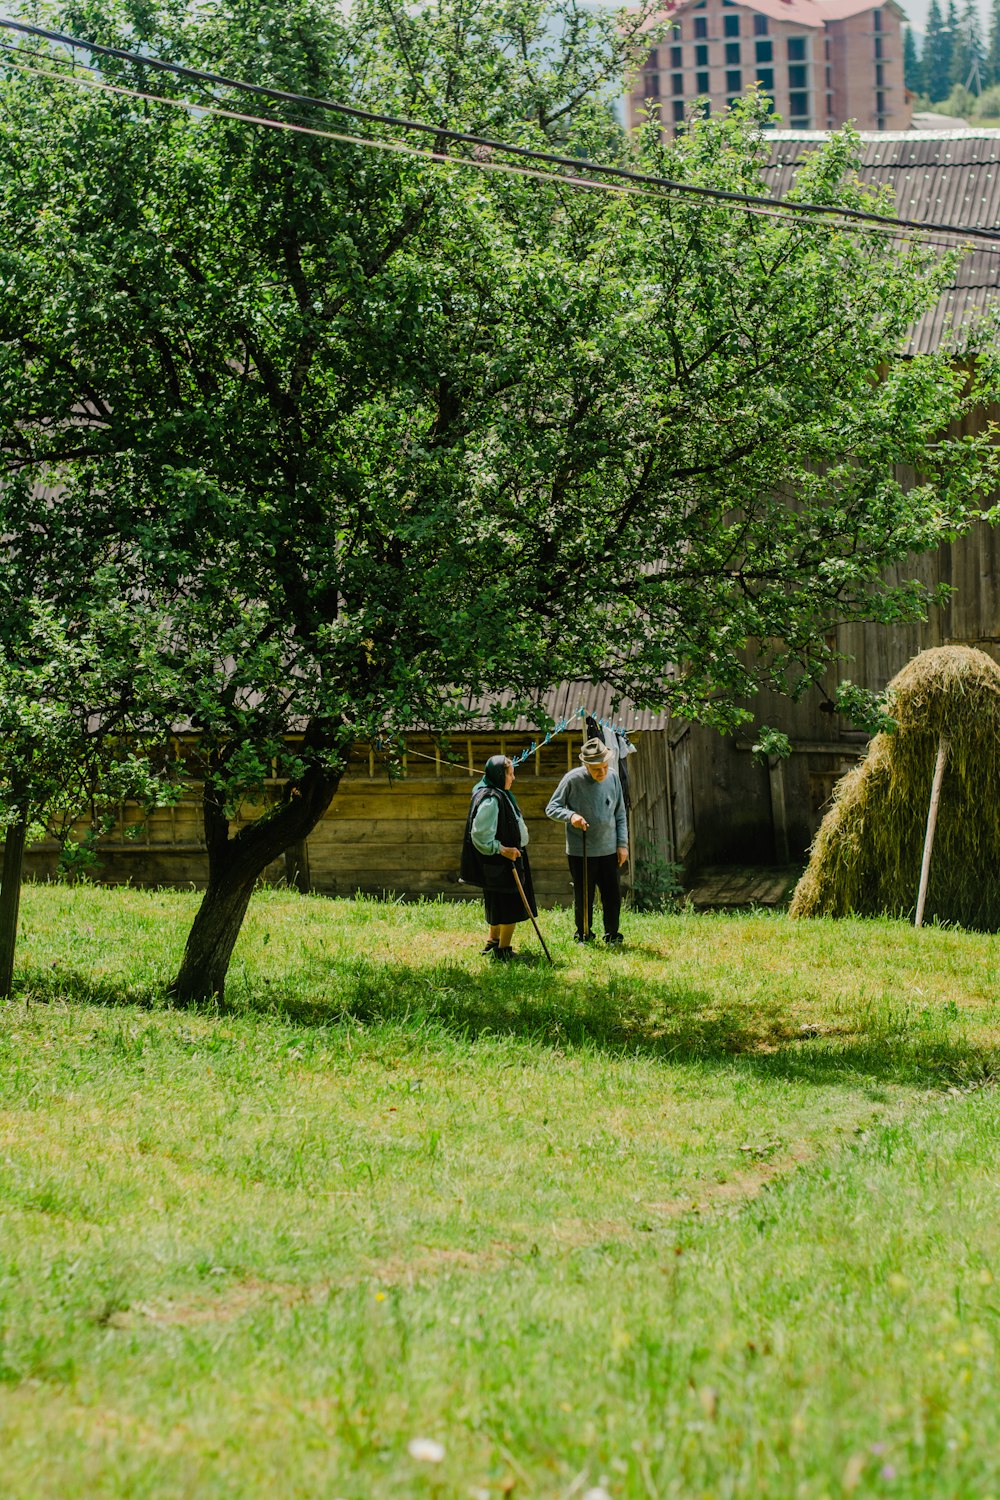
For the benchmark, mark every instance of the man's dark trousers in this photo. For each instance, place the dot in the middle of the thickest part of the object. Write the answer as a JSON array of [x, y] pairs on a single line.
[[602, 875]]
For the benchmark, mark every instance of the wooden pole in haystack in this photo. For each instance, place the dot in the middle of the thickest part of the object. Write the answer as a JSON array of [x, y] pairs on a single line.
[[932, 812]]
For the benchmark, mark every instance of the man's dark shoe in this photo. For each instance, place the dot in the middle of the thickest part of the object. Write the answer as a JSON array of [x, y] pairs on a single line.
[[614, 939], [579, 938]]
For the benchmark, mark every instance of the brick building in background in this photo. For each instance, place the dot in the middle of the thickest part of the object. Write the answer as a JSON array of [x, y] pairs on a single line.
[[823, 62]]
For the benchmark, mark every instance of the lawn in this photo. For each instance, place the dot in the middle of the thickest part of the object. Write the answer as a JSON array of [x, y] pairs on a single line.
[[713, 1216]]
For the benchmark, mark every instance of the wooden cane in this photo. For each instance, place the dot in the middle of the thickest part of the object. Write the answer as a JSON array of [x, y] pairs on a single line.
[[531, 914], [586, 890]]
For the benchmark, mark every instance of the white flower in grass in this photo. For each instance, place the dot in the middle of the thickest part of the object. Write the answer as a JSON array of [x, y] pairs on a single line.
[[597, 1492], [425, 1450]]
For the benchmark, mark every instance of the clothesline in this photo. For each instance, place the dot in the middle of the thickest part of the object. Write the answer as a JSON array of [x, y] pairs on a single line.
[[581, 713], [526, 754]]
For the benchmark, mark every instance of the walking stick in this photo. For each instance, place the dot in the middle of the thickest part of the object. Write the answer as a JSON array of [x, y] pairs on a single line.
[[531, 914], [586, 890]]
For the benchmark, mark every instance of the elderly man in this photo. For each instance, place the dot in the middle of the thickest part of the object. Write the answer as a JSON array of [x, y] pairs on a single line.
[[589, 801]]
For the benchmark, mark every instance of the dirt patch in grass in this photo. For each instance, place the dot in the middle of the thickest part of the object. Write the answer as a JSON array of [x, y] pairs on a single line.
[[568, 1234], [194, 1312]]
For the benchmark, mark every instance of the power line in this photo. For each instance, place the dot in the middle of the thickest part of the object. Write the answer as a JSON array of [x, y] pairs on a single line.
[[444, 159], [778, 212], [331, 135], [578, 164]]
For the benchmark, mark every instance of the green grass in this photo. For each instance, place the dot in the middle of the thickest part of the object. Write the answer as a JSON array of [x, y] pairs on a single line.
[[715, 1216]]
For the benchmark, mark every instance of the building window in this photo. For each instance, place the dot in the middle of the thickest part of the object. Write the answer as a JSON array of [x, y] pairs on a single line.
[[877, 20], [677, 83], [734, 100], [734, 81], [765, 77], [765, 52], [701, 56], [700, 28], [653, 61], [760, 26], [731, 25], [796, 49], [879, 78], [651, 86], [678, 110], [803, 123], [878, 46], [880, 104], [732, 54], [702, 84], [798, 76], [798, 104], [677, 57]]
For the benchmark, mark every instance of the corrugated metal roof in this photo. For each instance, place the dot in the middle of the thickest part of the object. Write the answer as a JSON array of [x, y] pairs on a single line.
[[565, 702], [952, 177]]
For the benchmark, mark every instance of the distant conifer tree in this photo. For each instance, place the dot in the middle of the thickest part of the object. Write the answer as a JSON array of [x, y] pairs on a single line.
[[968, 56], [993, 49], [952, 26], [937, 55], [913, 68]]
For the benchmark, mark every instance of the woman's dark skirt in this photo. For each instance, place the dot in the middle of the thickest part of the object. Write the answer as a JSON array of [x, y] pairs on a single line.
[[505, 906]]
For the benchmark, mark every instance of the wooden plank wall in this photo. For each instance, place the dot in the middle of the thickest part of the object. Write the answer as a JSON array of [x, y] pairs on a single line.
[[733, 790], [403, 833], [662, 814], [396, 826]]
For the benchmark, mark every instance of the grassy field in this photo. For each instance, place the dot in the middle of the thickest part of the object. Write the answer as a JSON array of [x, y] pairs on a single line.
[[715, 1216]]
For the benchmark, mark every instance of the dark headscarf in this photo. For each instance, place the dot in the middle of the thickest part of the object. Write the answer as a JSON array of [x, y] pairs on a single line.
[[494, 776]]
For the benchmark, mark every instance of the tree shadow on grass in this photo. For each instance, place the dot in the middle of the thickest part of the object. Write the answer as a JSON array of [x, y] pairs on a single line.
[[613, 1011]]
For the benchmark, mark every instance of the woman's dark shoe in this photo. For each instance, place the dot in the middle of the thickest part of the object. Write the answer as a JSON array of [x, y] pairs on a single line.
[[492, 944], [503, 955]]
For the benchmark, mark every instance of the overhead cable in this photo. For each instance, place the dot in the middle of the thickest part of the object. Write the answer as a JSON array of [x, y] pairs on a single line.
[[577, 164], [778, 211]]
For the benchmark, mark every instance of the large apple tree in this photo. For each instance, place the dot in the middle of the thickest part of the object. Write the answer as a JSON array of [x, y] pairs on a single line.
[[378, 433]]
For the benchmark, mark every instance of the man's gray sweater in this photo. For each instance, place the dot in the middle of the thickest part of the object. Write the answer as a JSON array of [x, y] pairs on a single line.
[[600, 802]]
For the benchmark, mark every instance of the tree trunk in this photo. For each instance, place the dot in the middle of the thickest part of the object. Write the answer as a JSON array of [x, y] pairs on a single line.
[[234, 867], [10, 899], [212, 938]]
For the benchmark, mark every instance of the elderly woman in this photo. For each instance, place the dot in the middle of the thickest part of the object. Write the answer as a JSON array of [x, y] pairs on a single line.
[[495, 844]]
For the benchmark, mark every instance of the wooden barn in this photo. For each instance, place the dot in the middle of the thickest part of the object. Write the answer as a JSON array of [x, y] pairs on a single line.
[[755, 813], [396, 824]]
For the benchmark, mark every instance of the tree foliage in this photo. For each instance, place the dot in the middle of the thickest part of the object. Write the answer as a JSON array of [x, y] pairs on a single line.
[[380, 434], [938, 52], [968, 63], [913, 67]]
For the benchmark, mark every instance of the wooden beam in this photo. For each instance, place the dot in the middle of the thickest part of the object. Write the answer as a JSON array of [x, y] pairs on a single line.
[[779, 813]]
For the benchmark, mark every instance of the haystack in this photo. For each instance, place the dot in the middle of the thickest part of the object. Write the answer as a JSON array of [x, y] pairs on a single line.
[[866, 857]]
